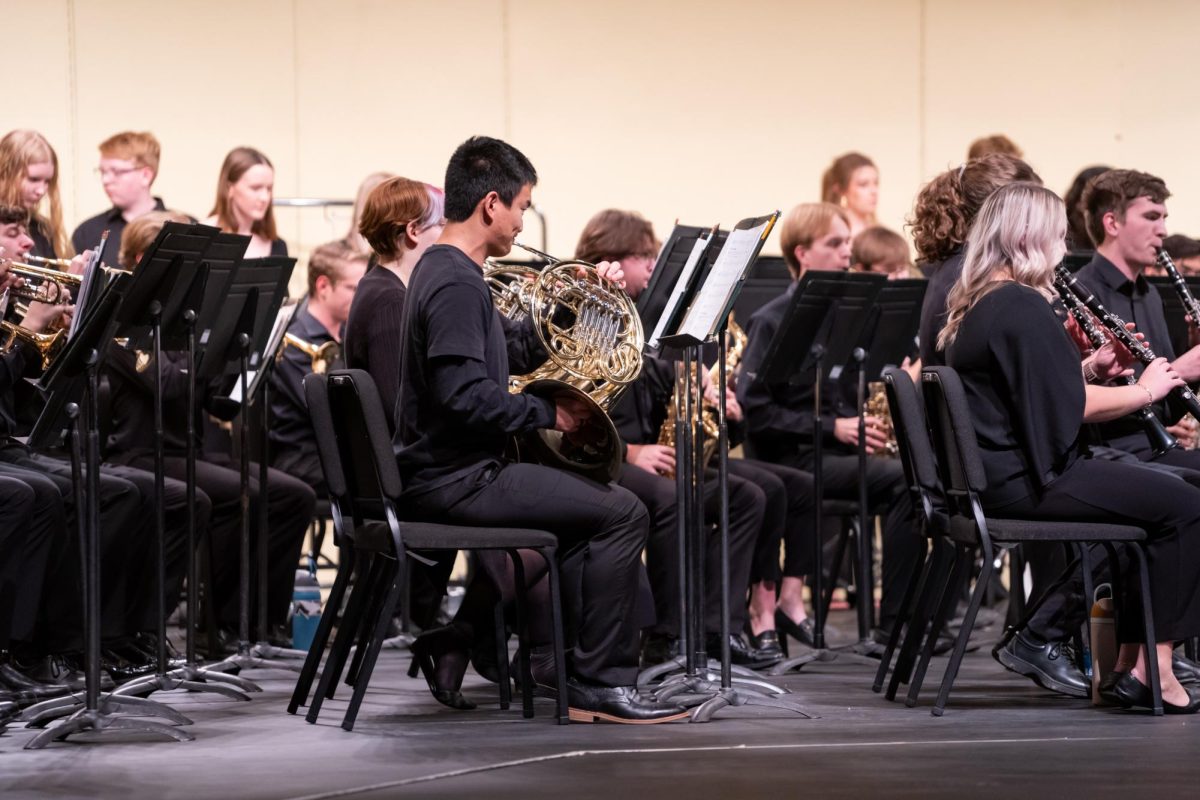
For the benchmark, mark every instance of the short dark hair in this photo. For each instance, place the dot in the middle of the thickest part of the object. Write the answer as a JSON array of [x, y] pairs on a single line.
[[11, 214], [1179, 246], [480, 165], [1115, 191]]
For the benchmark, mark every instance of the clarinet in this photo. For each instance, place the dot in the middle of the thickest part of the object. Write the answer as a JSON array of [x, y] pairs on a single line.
[[1190, 305], [1161, 440], [1116, 326]]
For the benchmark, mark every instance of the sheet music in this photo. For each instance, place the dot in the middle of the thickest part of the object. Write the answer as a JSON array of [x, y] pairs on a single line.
[[685, 277], [730, 266], [85, 286], [282, 320]]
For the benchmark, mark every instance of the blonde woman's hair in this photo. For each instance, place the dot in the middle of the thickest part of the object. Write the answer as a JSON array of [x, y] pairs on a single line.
[[1020, 233], [19, 149]]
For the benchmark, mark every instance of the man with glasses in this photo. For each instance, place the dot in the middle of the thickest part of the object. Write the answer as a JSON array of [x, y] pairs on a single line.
[[128, 167]]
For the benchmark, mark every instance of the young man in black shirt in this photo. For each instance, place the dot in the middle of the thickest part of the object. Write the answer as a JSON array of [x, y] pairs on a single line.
[[334, 271], [455, 415], [128, 167]]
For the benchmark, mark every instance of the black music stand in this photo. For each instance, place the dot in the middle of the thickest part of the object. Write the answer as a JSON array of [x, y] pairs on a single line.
[[80, 363], [820, 328], [887, 339], [236, 346]]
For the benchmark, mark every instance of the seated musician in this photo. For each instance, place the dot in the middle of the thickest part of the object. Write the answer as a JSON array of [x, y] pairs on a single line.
[[245, 190], [455, 414], [29, 180], [880, 249], [639, 414], [334, 271], [290, 502], [1023, 385], [128, 609], [128, 167], [780, 419], [852, 183]]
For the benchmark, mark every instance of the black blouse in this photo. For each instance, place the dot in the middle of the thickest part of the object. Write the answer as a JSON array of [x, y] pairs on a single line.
[[373, 334], [1020, 371], [942, 277]]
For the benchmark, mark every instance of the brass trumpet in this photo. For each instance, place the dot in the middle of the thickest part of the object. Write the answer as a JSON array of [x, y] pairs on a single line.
[[57, 263], [48, 285], [323, 356], [48, 345]]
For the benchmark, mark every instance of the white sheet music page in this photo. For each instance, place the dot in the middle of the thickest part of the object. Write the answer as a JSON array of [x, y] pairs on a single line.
[[730, 266], [685, 277], [282, 320]]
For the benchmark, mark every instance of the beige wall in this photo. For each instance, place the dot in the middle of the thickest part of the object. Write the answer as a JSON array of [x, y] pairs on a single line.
[[703, 111]]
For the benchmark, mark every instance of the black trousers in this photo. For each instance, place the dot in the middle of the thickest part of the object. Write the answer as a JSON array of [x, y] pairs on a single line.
[[788, 519], [746, 507], [290, 506], [601, 531], [302, 464], [32, 528], [1168, 509]]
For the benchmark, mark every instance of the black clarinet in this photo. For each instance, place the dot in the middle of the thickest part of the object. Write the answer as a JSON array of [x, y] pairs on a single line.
[[1190, 305], [1116, 326], [1161, 440]]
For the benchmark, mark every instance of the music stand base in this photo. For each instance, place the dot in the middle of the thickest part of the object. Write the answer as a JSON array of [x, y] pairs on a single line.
[[660, 673], [89, 720], [270, 651], [44, 713], [248, 660], [173, 680], [857, 653], [733, 697]]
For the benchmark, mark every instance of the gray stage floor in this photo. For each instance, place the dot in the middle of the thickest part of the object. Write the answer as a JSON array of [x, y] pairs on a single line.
[[1000, 736]]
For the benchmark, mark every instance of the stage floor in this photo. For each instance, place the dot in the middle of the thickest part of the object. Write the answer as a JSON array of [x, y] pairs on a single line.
[[1000, 736]]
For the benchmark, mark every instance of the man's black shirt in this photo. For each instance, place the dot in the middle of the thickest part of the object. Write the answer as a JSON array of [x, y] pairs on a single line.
[[455, 414], [87, 235], [1140, 303]]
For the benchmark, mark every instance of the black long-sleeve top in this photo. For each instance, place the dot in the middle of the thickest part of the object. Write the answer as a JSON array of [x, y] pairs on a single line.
[[1020, 371], [22, 361], [454, 412], [1140, 303], [779, 419], [373, 333], [640, 411], [942, 277], [290, 427], [87, 235]]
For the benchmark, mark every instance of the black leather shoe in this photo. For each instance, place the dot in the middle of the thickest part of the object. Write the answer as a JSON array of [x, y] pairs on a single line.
[[766, 644], [427, 650], [1129, 692], [1105, 689], [62, 670], [17, 681], [1186, 671], [621, 704], [125, 664], [9, 710], [740, 653], [1051, 665], [801, 631]]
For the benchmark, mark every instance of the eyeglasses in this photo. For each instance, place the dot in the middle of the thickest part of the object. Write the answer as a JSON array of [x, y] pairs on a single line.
[[114, 172]]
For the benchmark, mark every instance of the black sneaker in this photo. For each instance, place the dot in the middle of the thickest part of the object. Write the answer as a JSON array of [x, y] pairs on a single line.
[[1051, 665]]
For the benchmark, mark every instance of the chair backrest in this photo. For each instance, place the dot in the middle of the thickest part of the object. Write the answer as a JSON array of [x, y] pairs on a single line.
[[956, 450], [912, 437], [316, 396], [363, 442]]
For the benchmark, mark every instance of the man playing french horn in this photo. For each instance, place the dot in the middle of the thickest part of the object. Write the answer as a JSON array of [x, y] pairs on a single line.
[[455, 416]]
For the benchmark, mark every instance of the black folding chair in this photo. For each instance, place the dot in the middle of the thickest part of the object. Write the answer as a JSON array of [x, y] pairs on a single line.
[[371, 492], [967, 527]]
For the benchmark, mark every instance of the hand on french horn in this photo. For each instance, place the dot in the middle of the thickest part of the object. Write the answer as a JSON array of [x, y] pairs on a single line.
[[1159, 379], [610, 270], [570, 414]]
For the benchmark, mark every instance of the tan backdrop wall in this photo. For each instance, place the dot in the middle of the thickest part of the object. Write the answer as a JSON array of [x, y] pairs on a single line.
[[702, 111]]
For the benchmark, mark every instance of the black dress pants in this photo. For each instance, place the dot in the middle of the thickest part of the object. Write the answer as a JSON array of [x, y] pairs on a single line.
[[788, 519], [32, 525], [289, 508], [302, 464], [1169, 510], [601, 531], [746, 507]]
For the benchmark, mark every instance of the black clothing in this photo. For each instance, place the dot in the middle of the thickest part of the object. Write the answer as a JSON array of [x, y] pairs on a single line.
[[1140, 303], [279, 248], [131, 393], [788, 519], [87, 235], [1020, 373], [32, 529], [942, 278], [780, 419], [293, 443], [640, 411], [43, 245], [373, 333], [22, 361], [454, 415], [454, 366]]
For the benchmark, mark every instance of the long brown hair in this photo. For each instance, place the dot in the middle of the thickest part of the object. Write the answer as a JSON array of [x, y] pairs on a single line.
[[234, 167], [19, 149], [947, 204], [836, 179]]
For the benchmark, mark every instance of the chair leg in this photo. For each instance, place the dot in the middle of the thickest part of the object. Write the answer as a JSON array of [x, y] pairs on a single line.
[[907, 605], [835, 566], [947, 601], [964, 633], [560, 658], [387, 609], [941, 561], [377, 595], [1148, 622], [502, 656], [521, 623], [313, 661], [1016, 587], [1085, 630], [347, 632]]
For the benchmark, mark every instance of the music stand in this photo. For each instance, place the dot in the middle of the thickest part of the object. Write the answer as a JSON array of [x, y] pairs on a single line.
[[80, 362], [242, 332], [820, 327]]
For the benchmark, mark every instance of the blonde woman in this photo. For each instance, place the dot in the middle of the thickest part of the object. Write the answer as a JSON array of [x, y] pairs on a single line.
[[1025, 388], [29, 179]]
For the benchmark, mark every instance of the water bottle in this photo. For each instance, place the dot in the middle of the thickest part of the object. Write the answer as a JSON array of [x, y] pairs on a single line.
[[306, 610]]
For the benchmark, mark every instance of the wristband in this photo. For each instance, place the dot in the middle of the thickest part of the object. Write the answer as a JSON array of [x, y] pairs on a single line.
[[1149, 395], [1089, 372]]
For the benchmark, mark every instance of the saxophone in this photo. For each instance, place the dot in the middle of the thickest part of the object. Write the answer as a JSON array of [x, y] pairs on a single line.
[[708, 415], [877, 406]]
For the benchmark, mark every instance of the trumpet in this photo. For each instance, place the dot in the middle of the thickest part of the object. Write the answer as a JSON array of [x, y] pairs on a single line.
[[48, 345], [323, 356], [57, 263], [42, 284]]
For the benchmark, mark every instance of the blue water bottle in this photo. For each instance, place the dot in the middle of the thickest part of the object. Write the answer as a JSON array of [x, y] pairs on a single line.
[[306, 610]]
